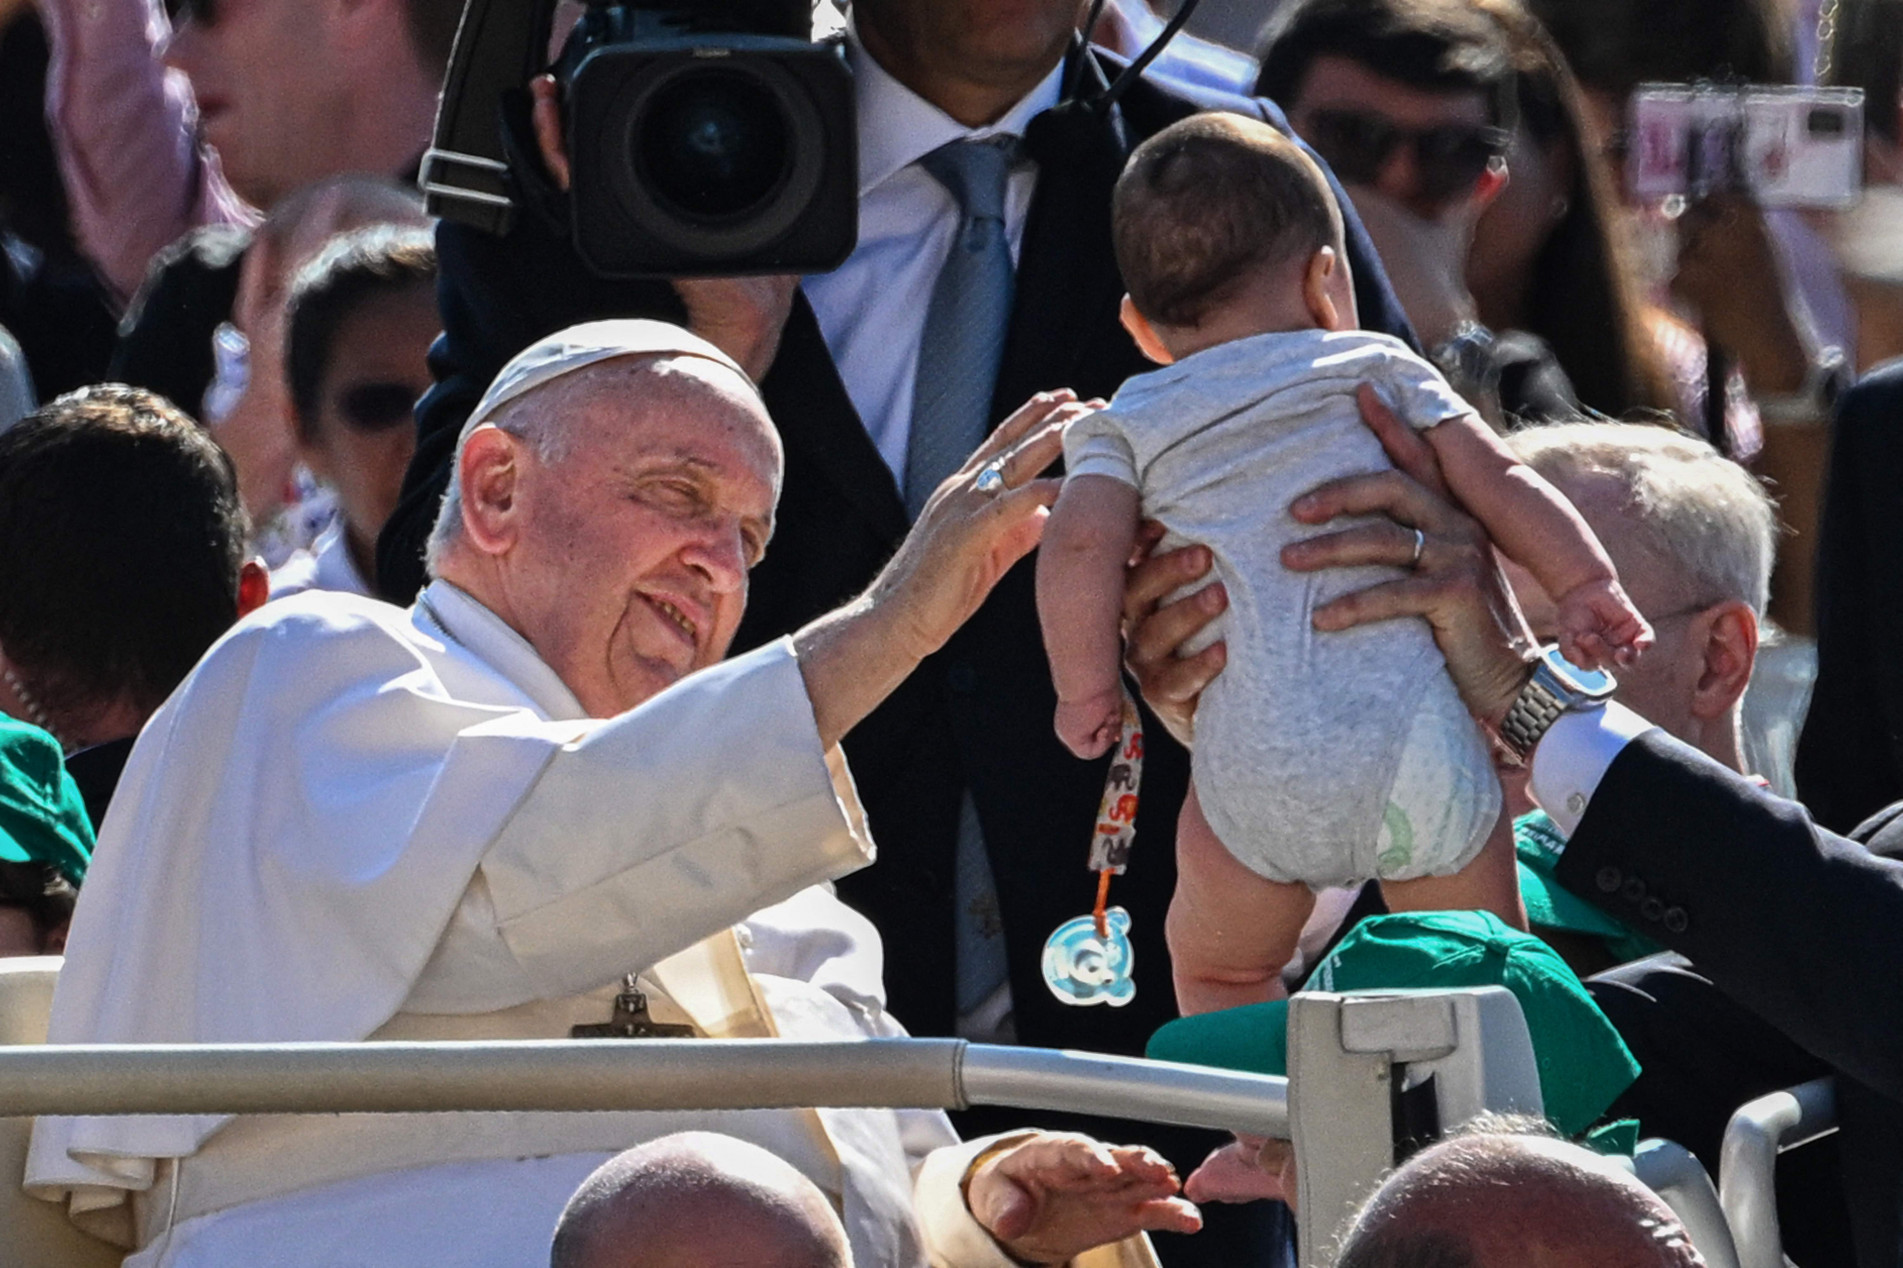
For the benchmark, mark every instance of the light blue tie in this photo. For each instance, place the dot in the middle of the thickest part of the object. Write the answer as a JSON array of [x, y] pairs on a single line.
[[967, 318], [958, 358]]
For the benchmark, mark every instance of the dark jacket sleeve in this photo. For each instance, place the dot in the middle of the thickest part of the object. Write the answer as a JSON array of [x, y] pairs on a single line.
[[1800, 925], [1850, 756]]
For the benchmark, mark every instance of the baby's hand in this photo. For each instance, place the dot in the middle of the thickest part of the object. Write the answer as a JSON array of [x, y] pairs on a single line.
[[1090, 726], [1599, 626]]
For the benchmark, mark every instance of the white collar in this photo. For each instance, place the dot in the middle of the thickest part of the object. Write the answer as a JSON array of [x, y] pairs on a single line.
[[897, 127], [464, 621]]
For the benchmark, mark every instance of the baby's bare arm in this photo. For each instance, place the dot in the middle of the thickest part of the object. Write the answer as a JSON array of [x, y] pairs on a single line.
[[1528, 519], [1080, 565]]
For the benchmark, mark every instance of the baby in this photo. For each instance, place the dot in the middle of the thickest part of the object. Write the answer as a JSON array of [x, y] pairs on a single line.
[[1320, 760]]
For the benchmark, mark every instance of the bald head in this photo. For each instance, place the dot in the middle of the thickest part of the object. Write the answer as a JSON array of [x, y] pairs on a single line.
[[1494, 1200], [698, 1200]]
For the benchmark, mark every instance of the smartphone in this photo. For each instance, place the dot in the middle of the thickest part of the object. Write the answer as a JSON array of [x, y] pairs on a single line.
[[1784, 146]]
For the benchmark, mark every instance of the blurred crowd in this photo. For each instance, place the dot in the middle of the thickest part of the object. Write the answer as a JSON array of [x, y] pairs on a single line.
[[241, 365]]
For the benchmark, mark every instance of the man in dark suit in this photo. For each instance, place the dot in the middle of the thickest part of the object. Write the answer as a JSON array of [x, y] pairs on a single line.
[[1850, 757], [971, 728]]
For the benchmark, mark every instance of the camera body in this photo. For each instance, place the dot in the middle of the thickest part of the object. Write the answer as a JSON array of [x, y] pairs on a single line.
[[1783, 146], [705, 137]]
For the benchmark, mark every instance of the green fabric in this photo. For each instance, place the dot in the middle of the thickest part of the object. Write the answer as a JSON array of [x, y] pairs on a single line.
[[1583, 1063], [42, 818], [1537, 842], [1619, 1138]]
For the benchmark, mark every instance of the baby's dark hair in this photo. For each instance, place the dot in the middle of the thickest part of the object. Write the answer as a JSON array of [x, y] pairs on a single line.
[[1207, 203]]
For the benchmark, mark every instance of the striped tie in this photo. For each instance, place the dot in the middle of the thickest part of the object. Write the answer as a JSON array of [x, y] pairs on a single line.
[[966, 321]]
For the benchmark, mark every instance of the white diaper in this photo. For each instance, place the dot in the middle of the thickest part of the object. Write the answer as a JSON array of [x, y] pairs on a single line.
[[1440, 808]]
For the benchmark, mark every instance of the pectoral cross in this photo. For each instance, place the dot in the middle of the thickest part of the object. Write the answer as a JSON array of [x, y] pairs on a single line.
[[631, 1020]]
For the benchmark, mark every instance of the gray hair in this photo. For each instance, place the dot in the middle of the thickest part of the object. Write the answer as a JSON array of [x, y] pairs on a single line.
[[533, 419], [1690, 506]]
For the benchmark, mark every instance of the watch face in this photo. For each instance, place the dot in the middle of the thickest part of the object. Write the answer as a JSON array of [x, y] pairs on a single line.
[[1593, 683]]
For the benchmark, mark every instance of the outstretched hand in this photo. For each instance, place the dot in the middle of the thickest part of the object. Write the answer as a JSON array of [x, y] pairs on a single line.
[[1055, 1195], [1247, 1169]]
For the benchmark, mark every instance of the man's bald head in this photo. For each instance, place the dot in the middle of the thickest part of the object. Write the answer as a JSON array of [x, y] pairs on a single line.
[[698, 1200], [1499, 1199]]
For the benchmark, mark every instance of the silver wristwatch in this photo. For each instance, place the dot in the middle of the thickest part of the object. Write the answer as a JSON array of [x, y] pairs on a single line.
[[1556, 686]]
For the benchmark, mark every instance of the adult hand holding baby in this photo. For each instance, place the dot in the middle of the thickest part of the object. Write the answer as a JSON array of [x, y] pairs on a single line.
[[1456, 586]]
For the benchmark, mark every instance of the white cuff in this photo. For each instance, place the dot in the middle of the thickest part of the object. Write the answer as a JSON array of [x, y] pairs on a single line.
[[953, 1236], [1573, 755]]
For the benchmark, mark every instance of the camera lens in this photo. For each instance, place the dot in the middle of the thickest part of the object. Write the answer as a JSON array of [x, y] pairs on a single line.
[[713, 145]]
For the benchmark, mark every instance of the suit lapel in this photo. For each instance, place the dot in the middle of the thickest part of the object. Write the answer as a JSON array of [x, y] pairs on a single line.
[[816, 418], [1068, 286]]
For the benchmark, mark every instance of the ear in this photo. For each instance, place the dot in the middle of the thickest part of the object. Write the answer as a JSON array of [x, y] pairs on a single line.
[[1149, 343], [254, 587], [1321, 290], [1730, 654], [1491, 183], [491, 471]]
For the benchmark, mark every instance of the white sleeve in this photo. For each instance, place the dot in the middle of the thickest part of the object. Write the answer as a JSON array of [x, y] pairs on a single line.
[[1095, 445], [1574, 755], [953, 1236], [124, 129], [1419, 393], [634, 843]]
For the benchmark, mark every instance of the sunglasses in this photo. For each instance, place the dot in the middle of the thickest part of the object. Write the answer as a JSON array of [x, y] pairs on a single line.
[[1449, 158], [376, 407]]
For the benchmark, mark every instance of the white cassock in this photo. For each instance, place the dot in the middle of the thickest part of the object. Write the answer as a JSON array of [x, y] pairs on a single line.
[[354, 821]]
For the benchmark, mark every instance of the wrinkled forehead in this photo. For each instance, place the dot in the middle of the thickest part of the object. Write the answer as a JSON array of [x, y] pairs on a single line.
[[624, 407]]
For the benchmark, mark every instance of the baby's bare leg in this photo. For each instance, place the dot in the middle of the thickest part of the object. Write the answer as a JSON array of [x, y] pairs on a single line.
[[1491, 882], [1230, 931]]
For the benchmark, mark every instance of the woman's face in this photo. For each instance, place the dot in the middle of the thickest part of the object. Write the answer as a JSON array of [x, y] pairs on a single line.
[[1540, 188]]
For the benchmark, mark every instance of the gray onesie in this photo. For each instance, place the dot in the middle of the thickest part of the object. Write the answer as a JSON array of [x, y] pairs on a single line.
[[1322, 759]]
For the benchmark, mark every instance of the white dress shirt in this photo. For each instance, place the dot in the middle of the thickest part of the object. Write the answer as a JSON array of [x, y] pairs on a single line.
[[1574, 755], [871, 309]]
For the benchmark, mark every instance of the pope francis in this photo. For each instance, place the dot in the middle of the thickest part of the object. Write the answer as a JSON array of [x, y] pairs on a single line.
[[474, 818]]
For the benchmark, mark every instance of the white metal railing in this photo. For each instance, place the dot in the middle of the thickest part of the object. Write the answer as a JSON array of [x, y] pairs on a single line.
[[640, 1074], [1747, 1163], [1669, 1170]]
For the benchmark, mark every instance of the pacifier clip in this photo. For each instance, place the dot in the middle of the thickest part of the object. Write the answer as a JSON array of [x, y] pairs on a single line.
[[1088, 960]]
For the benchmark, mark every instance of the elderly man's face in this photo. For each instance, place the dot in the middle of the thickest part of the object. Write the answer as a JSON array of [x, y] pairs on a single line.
[[1661, 686], [630, 570]]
